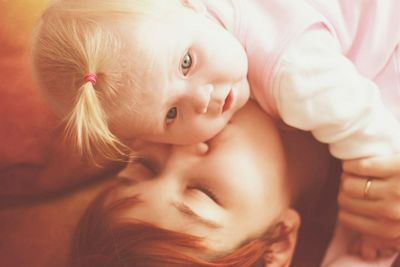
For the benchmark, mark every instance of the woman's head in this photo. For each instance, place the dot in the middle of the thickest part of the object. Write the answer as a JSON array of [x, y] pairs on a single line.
[[165, 71], [227, 192], [102, 242]]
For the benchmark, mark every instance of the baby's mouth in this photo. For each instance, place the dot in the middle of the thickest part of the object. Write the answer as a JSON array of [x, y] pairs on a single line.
[[228, 101]]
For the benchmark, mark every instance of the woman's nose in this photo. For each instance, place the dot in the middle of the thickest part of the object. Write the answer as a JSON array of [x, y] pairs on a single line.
[[199, 98]]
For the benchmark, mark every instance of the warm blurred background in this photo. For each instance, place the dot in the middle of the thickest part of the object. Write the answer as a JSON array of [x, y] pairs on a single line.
[[37, 169]]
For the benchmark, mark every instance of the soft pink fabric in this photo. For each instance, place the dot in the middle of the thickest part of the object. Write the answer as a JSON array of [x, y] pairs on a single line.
[[367, 30], [369, 33]]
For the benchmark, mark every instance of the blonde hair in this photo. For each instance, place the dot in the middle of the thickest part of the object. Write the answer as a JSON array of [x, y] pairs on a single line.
[[73, 38]]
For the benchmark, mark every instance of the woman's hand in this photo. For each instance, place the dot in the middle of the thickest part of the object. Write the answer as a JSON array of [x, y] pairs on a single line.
[[369, 202]]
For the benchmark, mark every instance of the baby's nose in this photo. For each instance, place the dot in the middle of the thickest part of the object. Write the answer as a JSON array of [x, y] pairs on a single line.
[[200, 98]]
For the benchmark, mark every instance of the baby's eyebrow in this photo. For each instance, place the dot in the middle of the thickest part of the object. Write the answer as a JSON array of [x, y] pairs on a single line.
[[188, 212]]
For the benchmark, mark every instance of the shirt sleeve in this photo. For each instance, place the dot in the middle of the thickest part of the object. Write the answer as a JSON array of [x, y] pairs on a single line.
[[318, 89]]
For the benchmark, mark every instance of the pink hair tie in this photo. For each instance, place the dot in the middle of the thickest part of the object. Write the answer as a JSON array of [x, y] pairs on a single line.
[[90, 77]]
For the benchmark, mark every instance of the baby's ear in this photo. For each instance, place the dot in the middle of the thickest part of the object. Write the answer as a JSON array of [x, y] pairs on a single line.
[[196, 5], [281, 253]]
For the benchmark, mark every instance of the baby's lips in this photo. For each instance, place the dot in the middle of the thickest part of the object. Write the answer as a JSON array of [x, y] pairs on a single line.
[[228, 101]]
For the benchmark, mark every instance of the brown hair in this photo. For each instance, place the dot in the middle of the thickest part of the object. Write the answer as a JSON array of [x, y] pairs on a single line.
[[100, 241]]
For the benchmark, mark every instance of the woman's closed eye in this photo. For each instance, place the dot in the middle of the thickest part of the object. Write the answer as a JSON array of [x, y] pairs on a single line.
[[205, 190]]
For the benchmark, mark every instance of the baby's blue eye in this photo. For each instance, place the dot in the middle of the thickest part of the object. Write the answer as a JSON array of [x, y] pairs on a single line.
[[186, 63], [171, 115]]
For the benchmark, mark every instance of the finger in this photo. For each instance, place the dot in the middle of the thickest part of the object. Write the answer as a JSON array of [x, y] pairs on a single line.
[[372, 209], [368, 250], [378, 209], [361, 207], [355, 246], [357, 187], [383, 166], [384, 247], [385, 229], [387, 252]]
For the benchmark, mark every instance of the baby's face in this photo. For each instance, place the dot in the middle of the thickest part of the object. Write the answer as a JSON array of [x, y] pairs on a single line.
[[193, 79]]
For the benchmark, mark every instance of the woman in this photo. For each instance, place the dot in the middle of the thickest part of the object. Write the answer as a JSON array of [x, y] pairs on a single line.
[[207, 200]]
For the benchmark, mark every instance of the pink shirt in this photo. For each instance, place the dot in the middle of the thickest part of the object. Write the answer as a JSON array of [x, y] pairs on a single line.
[[329, 67], [325, 84]]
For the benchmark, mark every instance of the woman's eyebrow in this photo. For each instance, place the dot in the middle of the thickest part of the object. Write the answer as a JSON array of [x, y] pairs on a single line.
[[188, 212]]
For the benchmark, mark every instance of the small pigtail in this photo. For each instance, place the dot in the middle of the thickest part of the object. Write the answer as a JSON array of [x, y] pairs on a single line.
[[87, 125], [75, 38]]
